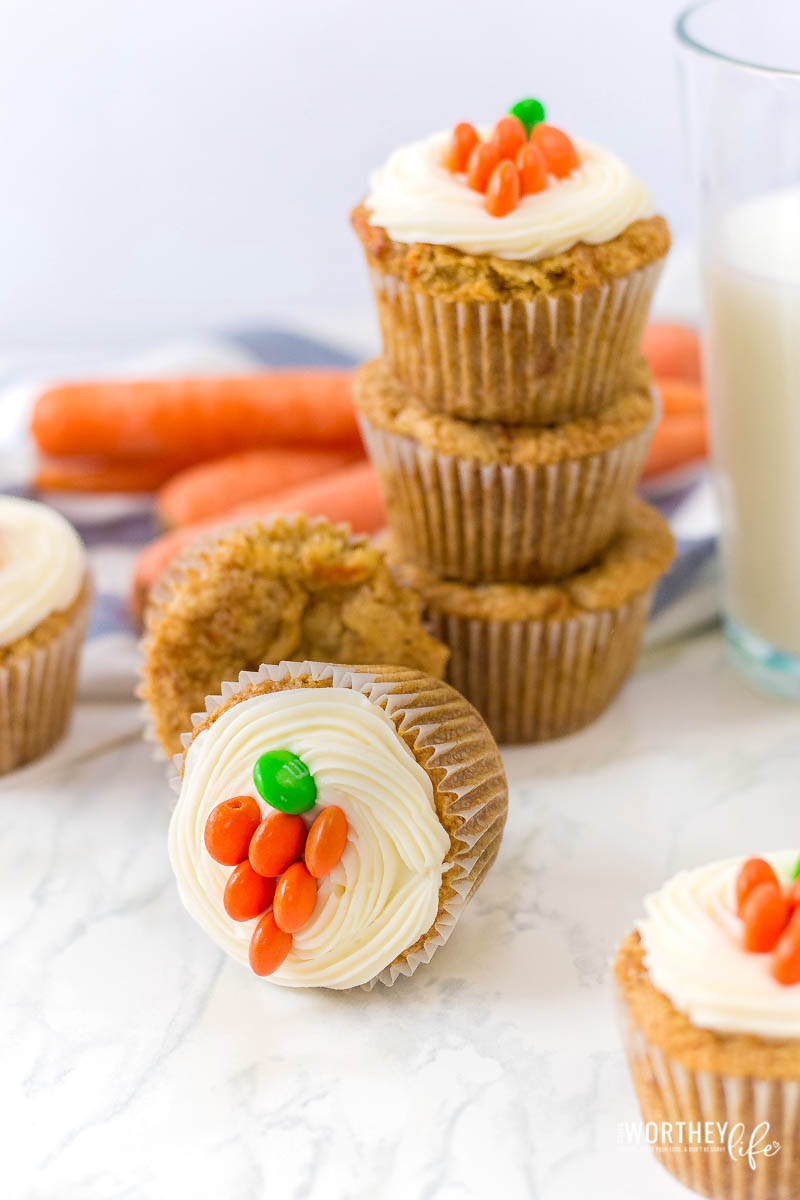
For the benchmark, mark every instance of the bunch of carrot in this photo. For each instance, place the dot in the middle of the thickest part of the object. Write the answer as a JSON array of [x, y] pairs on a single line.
[[673, 354]]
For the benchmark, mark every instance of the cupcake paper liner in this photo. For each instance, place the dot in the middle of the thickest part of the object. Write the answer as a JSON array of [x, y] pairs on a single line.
[[457, 752], [481, 523], [523, 362], [669, 1093], [37, 692], [533, 680]]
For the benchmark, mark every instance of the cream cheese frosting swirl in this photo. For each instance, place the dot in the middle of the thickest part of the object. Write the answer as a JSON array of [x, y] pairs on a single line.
[[42, 566], [417, 199], [692, 939], [384, 892]]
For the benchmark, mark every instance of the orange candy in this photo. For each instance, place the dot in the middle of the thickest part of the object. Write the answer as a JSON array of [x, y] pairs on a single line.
[[509, 136], [462, 143], [764, 913], [247, 894], [482, 161], [786, 959], [558, 150], [277, 843], [229, 829], [752, 872], [269, 945], [792, 893], [295, 897], [326, 841], [502, 192], [532, 169]]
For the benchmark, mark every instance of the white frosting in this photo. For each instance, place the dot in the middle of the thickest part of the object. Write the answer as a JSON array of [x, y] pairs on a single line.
[[384, 892], [42, 566], [692, 939], [417, 199]]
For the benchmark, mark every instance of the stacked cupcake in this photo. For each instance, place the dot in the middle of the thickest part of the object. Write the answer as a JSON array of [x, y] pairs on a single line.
[[511, 412]]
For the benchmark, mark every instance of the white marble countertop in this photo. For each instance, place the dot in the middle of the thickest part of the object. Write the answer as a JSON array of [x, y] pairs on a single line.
[[138, 1063]]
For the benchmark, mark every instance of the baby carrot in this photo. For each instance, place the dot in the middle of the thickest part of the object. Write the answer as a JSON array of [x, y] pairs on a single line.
[[677, 441], [104, 475], [672, 350], [681, 397], [351, 495], [215, 487], [196, 418]]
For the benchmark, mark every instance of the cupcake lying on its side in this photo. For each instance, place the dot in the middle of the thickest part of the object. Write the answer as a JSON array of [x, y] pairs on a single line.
[[709, 990], [333, 821], [262, 592], [513, 270], [45, 606]]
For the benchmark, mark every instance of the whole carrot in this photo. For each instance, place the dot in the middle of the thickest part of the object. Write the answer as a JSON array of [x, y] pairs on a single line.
[[196, 418], [104, 475], [351, 495], [676, 442], [681, 397], [208, 489], [672, 350]]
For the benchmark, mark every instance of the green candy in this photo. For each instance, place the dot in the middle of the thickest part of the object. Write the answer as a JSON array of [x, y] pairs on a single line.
[[796, 871], [285, 782], [529, 111]]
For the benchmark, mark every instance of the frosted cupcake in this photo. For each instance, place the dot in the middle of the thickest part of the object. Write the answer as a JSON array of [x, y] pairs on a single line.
[[512, 273], [709, 989], [45, 605], [333, 822], [478, 501]]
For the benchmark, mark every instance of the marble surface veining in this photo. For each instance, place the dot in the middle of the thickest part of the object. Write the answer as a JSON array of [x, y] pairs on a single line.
[[138, 1063]]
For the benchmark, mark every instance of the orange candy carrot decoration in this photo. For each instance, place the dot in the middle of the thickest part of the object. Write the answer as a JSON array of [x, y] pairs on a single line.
[[558, 150], [482, 161], [532, 169], [196, 418], [508, 137], [463, 141]]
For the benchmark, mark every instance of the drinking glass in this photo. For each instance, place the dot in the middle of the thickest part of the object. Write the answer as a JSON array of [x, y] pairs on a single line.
[[740, 71]]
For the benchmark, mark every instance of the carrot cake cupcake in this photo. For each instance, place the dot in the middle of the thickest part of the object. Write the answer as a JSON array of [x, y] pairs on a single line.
[[540, 661], [332, 822], [709, 990], [45, 605], [478, 501], [513, 268], [259, 592]]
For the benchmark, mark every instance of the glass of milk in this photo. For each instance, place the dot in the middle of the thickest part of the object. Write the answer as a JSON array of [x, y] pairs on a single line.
[[740, 63]]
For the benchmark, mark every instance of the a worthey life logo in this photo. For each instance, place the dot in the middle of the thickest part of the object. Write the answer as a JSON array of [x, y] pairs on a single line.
[[665, 1137]]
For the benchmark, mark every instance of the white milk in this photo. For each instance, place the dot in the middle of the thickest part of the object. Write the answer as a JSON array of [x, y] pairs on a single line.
[[753, 302]]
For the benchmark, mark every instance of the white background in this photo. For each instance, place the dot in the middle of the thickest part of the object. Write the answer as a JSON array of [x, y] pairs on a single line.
[[170, 165]]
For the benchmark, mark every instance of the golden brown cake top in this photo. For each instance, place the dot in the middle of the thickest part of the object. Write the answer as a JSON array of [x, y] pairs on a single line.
[[387, 404], [639, 554], [270, 590], [455, 275]]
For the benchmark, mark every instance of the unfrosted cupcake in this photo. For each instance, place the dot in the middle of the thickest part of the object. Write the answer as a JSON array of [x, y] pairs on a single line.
[[534, 316], [479, 501], [45, 605], [261, 591], [333, 822], [709, 992], [541, 661]]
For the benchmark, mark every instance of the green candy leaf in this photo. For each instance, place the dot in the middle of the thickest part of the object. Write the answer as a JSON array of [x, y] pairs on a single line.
[[529, 111], [285, 782], [796, 871]]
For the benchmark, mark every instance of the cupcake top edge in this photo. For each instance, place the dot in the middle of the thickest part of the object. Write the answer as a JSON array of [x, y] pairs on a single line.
[[381, 894], [416, 197], [42, 566], [714, 958]]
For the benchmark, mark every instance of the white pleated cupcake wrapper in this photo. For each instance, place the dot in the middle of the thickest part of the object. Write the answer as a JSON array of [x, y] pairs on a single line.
[[540, 679], [37, 693], [670, 1092], [477, 522], [523, 362], [194, 558], [460, 863]]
